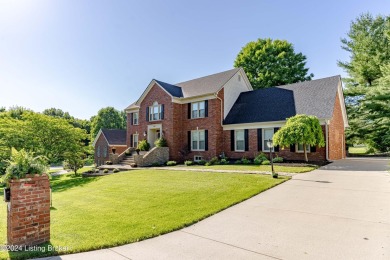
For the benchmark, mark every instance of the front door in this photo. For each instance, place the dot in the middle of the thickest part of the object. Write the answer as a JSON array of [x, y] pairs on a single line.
[[154, 133]]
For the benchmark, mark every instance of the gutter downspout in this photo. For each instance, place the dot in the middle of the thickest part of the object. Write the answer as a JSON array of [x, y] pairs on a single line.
[[327, 140], [216, 96]]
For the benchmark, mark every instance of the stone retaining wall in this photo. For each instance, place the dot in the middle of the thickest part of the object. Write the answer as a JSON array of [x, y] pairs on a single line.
[[158, 155]]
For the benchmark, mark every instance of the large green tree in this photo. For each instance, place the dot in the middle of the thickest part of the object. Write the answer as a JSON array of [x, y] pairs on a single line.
[[41, 134], [109, 118], [300, 129], [269, 63], [368, 43]]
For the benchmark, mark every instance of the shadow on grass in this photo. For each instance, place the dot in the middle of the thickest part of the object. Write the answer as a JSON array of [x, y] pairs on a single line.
[[27, 252], [59, 184]]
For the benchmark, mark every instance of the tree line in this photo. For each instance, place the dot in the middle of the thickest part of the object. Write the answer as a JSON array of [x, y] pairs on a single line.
[[54, 134]]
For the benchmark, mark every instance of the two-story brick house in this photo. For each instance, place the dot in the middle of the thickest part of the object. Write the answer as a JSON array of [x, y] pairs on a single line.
[[221, 113]]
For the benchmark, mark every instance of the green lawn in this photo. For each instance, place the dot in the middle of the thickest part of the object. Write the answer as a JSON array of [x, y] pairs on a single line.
[[358, 150], [93, 213], [263, 168]]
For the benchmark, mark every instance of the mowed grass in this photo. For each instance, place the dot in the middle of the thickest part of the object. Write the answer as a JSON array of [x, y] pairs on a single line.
[[94, 213], [358, 150], [259, 168]]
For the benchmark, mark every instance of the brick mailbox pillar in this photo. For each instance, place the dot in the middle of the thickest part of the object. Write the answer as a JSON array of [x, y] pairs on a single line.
[[28, 212]]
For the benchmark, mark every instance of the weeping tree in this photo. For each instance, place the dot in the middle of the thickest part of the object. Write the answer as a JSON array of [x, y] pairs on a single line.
[[300, 129]]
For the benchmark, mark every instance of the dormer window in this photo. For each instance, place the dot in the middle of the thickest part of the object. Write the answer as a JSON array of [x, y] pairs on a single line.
[[156, 112]]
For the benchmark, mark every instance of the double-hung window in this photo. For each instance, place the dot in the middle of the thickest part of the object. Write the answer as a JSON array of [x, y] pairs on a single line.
[[198, 140], [239, 140], [267, 135], [155, 112], [198, 109], [135, 118], [98, 151], [135, 140], [299, 148]]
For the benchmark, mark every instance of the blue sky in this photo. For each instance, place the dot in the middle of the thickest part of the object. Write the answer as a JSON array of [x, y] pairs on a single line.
[[82, 55]]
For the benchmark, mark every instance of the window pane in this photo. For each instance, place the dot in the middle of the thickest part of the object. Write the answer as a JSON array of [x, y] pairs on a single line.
[[201, 145], [240, 145], [202, 113], [195, 114], [201, 136], [194, 106], [240, 135], [201, 105], [155, 110]]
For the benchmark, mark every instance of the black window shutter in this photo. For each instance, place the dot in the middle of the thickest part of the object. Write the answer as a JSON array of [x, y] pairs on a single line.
[[131, 118], [259, 139], [189, 140], [147, 114], [232, 140], [292, 148], [189, 110], [206, 108], [313, 149], [246, 139], [276, 148], [131, 140], [206, 140], [162, 111]]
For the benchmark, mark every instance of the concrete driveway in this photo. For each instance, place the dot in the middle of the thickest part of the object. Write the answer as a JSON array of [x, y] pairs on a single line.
[[341, 211]]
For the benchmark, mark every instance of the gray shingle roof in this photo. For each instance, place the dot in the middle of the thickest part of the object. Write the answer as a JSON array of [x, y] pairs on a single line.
[[115, 136], [314, 97], [206, 85]]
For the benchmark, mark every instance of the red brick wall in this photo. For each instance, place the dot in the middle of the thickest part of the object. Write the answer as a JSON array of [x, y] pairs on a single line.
[[102, 143], [28, 218], [336, 133], [318, 155]]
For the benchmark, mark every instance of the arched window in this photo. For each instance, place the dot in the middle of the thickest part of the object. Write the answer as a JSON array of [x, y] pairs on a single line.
[[155, 111]]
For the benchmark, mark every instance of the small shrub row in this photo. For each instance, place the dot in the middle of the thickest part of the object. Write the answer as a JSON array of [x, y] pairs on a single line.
[[171, 163]]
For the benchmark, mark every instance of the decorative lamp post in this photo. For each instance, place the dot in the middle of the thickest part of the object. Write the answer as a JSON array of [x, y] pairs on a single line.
[[271, 146]]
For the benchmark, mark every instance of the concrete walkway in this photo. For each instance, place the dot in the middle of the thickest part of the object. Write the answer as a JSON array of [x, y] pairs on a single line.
[[341, 211]]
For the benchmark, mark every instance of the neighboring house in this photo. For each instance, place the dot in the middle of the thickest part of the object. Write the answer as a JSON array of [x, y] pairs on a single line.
[[222, 114], [105, 141]]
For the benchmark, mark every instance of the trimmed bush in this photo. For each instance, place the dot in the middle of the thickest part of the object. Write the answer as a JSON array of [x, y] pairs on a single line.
[[108, 163], [208, 164], [156, 164], [188, 163], [238, 162], [115, 170], [171, 163], [161, 142], [105, 171], [201, 162], [224, 161], [245, 161], [214, 160], [277, 159], [143, 145], [97, 171], [266, 162]]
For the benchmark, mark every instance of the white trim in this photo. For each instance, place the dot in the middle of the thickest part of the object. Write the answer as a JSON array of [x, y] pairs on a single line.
[[235, 140], [131, 110], [153, 127], [137, 140], [198, 109], [201, 158], [98, 136], [151, 111], [146, 91], [301, 151], [342, 104], [204, 134], [132, 117], [263, 139], [192, 99]]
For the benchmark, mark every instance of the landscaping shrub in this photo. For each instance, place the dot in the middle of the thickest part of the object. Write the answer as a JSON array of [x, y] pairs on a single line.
[[105, 171], [115, 170], [245, 161], [188, 163], [161, 142], [214, 161], [97, 171], [201, 162], [89, 161], [266, 162], [171, 163], [108, 163], [128, 152], [277, 159], [224, 161], [238, 162], [208, 164], [143, 145], [260, 158]]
